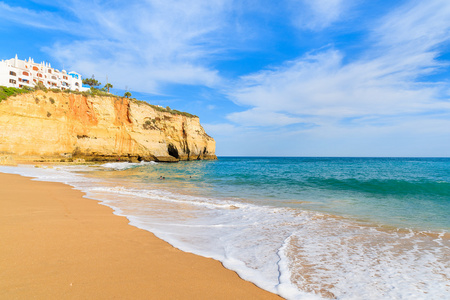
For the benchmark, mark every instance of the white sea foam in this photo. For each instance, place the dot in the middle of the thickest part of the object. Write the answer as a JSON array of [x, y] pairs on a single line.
[[65, 174], [297, 254], [126, 165]]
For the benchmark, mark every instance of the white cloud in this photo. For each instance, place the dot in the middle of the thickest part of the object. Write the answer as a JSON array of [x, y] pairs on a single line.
[[416, 27], [27, 17], [152, 42], [259, 117], [142, 44], [323, 89], [429, 137], [318, 14]]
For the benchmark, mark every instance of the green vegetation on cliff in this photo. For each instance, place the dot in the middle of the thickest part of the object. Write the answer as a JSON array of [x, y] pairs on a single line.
[[167, 109], [92, 82], [6, 92]]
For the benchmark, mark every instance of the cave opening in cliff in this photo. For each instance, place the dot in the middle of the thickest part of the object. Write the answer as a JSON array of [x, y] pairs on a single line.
[[173, 151]]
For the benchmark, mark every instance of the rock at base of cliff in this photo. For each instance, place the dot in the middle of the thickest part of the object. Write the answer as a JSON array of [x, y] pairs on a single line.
[[170, 159]]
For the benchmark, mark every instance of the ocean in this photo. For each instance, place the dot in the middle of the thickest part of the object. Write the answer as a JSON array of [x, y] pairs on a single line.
[[304, 228]]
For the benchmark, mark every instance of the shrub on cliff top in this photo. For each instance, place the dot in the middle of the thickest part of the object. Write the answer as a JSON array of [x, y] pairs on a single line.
[[6, 92], [167, 110], [186, 114], [97, 92], [92, 82], [40, 86]]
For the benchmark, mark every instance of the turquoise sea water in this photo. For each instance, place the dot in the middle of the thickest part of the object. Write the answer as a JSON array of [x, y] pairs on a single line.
[[305, 228], [402, 192]]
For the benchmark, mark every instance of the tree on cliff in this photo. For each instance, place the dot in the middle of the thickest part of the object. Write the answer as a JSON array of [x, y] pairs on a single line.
[[127, 94], [92, 82], [108, 86]]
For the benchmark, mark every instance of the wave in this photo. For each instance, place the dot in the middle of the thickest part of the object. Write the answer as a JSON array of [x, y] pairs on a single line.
[[385, 186], [295, 253], [126, 165]]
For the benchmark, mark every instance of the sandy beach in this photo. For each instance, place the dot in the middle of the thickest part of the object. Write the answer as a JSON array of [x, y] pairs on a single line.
[[55, 244]]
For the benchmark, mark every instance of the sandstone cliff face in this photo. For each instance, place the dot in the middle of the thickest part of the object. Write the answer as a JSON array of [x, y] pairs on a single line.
[[61, 126]]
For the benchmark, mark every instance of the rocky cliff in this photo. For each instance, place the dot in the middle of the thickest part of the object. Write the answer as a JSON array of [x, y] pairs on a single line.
[[65, 127]]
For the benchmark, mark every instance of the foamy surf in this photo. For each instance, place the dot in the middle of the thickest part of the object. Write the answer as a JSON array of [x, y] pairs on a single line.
[[126, 165], [296, 253]]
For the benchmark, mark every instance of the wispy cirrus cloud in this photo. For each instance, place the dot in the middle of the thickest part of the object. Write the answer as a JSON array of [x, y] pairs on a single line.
[[148, 44], [142, 44], [28, 17], [318, 14], [387, 80], [262, 117]]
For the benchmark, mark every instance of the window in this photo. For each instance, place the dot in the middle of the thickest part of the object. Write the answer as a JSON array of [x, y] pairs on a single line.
[[49, 71], [39, 75], [35, 68], [76, 83], [26, 73], [12, 73], [54, 77], [12, 81]]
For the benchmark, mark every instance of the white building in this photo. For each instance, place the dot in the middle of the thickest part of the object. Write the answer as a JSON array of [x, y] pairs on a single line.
[[22, 73]]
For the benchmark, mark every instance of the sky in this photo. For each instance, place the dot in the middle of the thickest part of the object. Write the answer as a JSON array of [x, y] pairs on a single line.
[[266, 78]]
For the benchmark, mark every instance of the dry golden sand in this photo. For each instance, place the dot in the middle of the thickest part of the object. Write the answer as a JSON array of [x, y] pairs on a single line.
[[54, 244]]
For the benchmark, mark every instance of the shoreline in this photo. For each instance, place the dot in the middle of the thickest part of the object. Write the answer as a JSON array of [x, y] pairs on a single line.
[[58, 244]]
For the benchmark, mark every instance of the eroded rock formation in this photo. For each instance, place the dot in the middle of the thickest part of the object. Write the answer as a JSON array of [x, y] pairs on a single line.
[[60, 126]]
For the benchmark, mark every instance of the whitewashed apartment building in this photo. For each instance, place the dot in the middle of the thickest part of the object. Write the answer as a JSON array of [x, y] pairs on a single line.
[[22, 73]]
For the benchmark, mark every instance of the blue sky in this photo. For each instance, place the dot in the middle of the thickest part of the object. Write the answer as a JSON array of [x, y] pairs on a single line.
[[266, 78]]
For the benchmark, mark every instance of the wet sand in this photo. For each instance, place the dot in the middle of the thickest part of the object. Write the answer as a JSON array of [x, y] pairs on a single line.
[[57, 245]]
